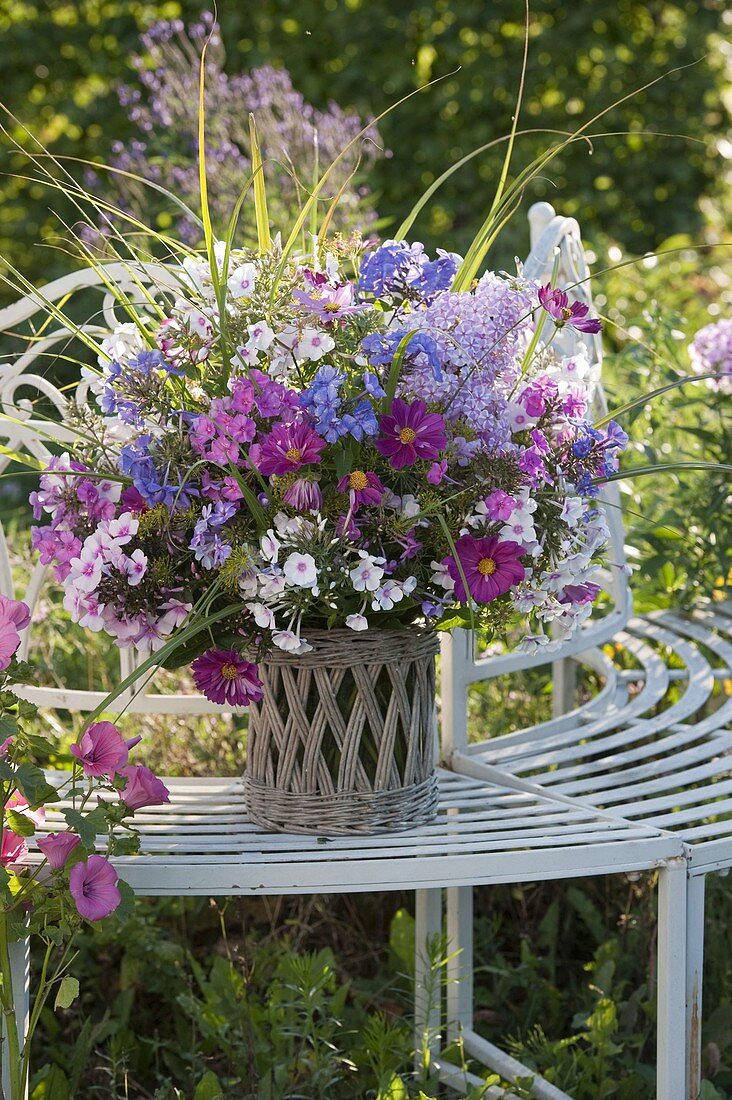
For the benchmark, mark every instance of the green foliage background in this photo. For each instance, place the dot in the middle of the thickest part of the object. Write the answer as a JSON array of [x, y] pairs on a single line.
[[68, 56]]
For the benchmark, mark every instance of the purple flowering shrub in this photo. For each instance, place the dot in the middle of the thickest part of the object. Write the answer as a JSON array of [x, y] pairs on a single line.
[[298, 140], [710, 352], [332, 439], [51, 890]]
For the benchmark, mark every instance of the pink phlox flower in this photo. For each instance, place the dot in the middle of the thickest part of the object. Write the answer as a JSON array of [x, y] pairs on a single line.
[[93, 885], [410, 433], [224, 677], [499, 505], [491, 567], [437, 472], [579, 593], [556, 304], [57, 847], [102, 750], [143, 788]]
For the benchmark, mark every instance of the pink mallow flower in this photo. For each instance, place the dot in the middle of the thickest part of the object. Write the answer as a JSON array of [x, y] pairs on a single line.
[[93, 885], [143, 788], [410, 433], [288, 447], [556, 304], [226, 678], [103, 750], [14, 616], [57, 847], [13, 850], [491, 566]]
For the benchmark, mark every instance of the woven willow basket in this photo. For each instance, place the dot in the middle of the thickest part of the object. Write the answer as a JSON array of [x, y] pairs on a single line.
[[344, 739]]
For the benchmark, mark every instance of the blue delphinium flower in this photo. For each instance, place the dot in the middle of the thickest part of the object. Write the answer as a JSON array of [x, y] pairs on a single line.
[[324, 403], [421, 350]]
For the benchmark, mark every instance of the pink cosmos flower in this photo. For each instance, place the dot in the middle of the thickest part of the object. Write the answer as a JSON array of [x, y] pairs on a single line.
[[143, 788], [329, 302], [287, 448], [57, 847], [102, 750], [409, 433], [556, 303], [363, 486], [491, 566], [93, 885], [13, 850], [226, 678]]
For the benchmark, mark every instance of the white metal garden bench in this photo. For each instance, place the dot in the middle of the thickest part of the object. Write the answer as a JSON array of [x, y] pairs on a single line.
[[501, 819]]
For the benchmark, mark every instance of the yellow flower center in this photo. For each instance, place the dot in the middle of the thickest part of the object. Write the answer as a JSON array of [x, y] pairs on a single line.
[[486, 567], [331, 307], [566, 313], [407, 435], [293, 455], [358, 480], [229, 672]]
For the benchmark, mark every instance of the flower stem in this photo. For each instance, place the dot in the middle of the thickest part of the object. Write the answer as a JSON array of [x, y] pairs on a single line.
[[10, 1022]]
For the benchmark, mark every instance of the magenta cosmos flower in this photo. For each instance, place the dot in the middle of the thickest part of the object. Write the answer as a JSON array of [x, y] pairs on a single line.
[[409, 433], [556, 303], [226, 678], [143, 788], [287, 448], [102, 750], [491, 566], [57, 847], [363, 486], [93, 885]]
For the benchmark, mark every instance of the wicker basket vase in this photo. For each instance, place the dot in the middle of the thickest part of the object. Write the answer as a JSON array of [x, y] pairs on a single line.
[[344, 739]]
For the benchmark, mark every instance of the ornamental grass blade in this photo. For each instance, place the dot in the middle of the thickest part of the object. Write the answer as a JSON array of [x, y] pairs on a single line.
[[260, 190]]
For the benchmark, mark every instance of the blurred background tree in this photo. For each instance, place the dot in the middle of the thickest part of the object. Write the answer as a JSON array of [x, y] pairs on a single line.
[[70, 58]]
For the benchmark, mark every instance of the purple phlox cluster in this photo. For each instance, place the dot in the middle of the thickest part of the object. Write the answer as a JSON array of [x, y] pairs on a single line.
[[66, 497], [421, 350], [208, 546], [402, 270], [324, 405], [710, 352]]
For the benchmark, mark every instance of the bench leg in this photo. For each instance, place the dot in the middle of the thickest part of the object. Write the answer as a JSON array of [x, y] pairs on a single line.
[[20, 977], [460, 960], [427, 981], [694, 977], [671, 1033], [564, 686]]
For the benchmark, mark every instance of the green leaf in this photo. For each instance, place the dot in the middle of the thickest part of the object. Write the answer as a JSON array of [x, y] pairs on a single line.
[[395, 1090], [126, 845], [19, 823], [87, 826], [68, 991], [401, 939], [208, 1088], [33, 785]]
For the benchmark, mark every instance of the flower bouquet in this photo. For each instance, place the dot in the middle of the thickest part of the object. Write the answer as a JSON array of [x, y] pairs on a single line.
[[324, 458]]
